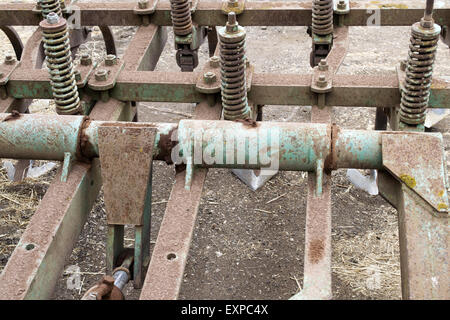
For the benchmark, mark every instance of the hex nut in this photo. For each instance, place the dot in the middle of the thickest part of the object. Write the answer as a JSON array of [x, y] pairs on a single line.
[[233, 3], [77, 75], [322, 82], [214, 62], [143, 4], [209, 77], [101, 75], [110, 60], [341, 5], [323, 65], [10, 60], [86, 60]]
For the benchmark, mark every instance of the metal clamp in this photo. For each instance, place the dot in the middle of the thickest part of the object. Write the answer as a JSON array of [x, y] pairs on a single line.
[[106, 74]]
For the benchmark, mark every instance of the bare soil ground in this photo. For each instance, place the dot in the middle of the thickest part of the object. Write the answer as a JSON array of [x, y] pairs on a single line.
[[244, 246]]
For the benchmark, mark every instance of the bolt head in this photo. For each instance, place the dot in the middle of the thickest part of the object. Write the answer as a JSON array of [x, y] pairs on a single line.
[[10, 60], [143, 4], [322, 82], [110, 60], [86, 60], [403, 64], [341, 5], [77, 75], [323, 65], [214, 62], [209, 77], [101, 75]]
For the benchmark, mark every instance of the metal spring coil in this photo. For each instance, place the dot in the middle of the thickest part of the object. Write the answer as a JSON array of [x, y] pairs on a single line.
[[48, 6], [322, 17], [233, 82], [181, 17], [59, 65], [419, 71]]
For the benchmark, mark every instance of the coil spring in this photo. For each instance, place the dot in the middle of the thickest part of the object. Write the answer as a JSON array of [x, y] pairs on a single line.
[[60, 67], [48, 6], [233, 82], [322, 17], [181, 17], [419, 71]]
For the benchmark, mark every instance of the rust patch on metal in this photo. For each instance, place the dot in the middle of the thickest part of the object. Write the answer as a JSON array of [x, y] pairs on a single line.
[[248, 122], [316, 250], [13, 116]]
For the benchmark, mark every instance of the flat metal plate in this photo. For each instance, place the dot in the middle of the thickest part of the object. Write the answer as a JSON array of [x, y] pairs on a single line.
[[418, 161], [126, 159]]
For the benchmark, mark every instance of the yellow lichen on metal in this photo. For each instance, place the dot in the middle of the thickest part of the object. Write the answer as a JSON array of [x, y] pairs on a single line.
[[408, 180], [442, 206]]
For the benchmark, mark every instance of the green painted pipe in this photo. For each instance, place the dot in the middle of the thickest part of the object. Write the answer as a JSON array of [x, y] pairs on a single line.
[[224, 144]]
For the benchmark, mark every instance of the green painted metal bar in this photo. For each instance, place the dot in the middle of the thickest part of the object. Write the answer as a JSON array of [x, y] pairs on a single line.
[[208, 13], [266, 89]]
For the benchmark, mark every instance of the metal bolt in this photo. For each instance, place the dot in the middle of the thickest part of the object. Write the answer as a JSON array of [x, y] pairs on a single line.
[[53, 18], [341, 5], [322, 82], [143, 4], [233, 3], [110, 60], [403, 64], [101, 75], [10, 60], [77, 75], [86, 60], [232, 25], [209, 77], [323, 65], [427, 23], [214, 62]]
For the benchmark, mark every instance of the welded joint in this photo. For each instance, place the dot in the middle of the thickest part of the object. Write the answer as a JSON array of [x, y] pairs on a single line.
[[236, 6]]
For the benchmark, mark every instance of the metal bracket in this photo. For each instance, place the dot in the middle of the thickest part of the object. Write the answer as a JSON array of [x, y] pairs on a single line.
[[321, 47], [418, 161], [209, 80], [126, 155], [236, 7], [113, 72], [6, 69], [84, 73]]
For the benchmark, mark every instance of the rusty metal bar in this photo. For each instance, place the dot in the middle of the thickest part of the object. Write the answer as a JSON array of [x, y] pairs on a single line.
[[208, 13], [38, 260], [165, 273], [266, 89]]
